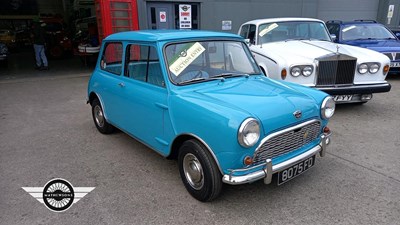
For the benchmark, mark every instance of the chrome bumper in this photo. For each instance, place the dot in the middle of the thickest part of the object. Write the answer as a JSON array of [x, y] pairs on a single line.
[[268, 169]]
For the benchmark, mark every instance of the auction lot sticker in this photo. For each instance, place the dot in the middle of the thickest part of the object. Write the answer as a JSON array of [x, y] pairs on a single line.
[[58, 194], [186, 57]]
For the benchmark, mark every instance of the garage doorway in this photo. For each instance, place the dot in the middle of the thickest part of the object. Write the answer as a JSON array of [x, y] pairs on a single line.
[[173, 15]]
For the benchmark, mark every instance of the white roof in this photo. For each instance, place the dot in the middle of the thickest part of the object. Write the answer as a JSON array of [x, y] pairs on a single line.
[[284, 19]]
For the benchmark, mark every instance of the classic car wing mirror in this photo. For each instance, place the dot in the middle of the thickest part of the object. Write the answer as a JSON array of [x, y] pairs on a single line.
[[247, 41], [333, 37]]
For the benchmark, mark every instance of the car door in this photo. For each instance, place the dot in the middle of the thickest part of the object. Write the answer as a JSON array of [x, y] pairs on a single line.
[[109, 81], [144, 97]]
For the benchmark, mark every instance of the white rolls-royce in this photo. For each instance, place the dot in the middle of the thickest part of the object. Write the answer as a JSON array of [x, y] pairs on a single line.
[[301, 50]]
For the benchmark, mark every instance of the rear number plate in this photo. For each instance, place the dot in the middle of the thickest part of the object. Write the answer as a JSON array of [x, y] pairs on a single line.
[[342, 98], [295, 170]]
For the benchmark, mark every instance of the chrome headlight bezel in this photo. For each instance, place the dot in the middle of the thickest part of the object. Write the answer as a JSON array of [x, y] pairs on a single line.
[[362, 68], [328, 108], [249, 132], [295, 71], [373, 68], [305, 70]]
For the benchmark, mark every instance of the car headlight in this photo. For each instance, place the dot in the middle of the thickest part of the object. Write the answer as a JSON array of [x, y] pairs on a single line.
[[373, 68], [307, 71], [363, 68], [328, 107], [295, 71], [249, 132]]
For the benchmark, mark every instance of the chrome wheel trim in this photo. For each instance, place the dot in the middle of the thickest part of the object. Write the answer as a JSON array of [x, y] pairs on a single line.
[[98, 116], [193, 171]]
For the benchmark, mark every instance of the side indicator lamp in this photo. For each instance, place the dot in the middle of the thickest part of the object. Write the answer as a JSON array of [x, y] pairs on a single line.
[[386, 69], [283, 74]]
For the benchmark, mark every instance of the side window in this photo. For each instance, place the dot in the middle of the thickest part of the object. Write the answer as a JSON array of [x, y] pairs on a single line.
[[252, 33], [244, 32], [111, 60], [143, 64]]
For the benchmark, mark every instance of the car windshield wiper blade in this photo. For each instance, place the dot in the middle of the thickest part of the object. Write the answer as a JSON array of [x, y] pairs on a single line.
[[224, 75], [199, 79]]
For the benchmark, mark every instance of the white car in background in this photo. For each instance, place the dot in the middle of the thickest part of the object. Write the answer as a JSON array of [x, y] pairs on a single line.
[[301, 50]]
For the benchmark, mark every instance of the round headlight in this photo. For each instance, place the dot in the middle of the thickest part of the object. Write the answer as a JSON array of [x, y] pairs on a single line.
[[249, 132], [307, 71], [363, 68], [373, 68], [295, 71], [328, 107]]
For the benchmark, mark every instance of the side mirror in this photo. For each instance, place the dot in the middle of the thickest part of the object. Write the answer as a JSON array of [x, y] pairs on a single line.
[[333, 37], [397, 34], [247, 41]]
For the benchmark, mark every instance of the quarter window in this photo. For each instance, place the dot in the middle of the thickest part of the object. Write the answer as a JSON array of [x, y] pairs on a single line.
[[111, 60]]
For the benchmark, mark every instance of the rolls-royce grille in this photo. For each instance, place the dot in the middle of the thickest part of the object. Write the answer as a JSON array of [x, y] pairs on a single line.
[[336, 70], [287, 141]]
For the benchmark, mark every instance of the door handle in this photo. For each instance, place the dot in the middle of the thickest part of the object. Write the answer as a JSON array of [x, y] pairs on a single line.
[[121, 84]]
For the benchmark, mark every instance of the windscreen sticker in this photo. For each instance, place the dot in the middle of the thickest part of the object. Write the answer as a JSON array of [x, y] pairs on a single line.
[[268, 29], [185, 58], [348, 28]]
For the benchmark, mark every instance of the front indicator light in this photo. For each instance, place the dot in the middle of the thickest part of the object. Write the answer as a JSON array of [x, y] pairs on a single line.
[[248, 160], [386, 69], [283, 74]]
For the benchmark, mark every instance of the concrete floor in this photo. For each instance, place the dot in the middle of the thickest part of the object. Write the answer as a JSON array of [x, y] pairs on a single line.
[[21, 65], [46, 131]]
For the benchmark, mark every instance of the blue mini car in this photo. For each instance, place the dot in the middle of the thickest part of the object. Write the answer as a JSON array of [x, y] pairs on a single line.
[[368, 34], [199, 97]]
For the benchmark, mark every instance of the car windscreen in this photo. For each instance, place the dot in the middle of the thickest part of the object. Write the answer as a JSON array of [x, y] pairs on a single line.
[[365, 32], [292, 30], [199, 61]]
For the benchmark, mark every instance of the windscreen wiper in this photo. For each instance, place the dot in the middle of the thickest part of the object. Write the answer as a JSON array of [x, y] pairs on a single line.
[[225, 75], [199, 79]]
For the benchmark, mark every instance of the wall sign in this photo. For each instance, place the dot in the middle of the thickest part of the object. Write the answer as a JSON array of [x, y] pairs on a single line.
[[163, 16], [226, 25], [390, 13], [185, 16]]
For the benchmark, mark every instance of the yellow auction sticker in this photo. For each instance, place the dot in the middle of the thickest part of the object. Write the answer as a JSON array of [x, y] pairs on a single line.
[[186, 57]]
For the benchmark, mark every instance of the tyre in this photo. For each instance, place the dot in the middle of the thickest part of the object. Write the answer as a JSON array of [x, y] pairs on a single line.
[[98, 118], [199, 172]]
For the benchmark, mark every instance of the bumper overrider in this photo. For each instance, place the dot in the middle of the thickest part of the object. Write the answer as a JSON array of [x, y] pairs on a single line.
[[267, 170]]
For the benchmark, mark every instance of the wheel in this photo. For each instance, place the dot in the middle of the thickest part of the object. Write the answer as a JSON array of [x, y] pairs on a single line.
[[99, 120], [199, 172]]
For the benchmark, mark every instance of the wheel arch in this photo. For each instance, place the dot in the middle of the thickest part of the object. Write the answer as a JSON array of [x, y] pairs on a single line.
[[179, 140]]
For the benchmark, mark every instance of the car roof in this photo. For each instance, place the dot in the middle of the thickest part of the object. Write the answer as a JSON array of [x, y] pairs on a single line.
[[283, 19], [166, 35]]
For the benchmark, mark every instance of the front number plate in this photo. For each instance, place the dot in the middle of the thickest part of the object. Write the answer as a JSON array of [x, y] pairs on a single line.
[[395, 64], [295, 170], [342, 98]]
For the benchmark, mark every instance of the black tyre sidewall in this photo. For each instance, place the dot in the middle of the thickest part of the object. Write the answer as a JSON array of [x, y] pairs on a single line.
[[106, 128], [212, 177]]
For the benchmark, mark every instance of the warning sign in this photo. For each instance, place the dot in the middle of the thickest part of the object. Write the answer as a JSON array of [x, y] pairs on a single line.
[[185, 16], [163, 16]]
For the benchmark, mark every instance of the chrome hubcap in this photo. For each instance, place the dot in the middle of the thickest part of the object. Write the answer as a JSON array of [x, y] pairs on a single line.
[[193, 171], [98, 116]]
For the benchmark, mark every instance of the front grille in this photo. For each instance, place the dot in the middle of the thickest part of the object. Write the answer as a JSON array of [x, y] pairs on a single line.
[[288, 140], [336, 70]]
